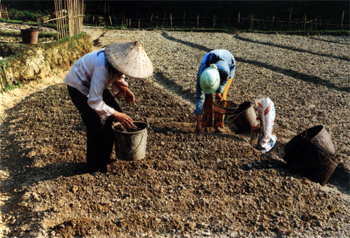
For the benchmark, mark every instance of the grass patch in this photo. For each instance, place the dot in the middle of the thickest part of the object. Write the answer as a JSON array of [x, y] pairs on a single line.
[[30, 23], [5, 83], [11, 86], [18, 34]]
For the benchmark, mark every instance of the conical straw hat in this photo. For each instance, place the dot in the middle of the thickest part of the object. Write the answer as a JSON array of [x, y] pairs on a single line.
[[129, 58]]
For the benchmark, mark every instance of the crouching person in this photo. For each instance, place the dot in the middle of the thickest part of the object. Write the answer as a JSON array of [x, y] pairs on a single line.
[[215, 74], [87, 83]]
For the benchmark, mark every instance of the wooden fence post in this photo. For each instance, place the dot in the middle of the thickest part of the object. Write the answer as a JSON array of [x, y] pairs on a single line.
[[110, 20], [342, 20], [139, 23], [273, 19], [310, 27], [290, 19], [315, 24], [163, 20], [129, 22], [150, 21], [238, 19], [251, 21], [197, 20], [171, 20], [304, 22]]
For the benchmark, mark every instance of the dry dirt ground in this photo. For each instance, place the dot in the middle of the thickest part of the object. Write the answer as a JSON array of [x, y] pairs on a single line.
[[209, 185]]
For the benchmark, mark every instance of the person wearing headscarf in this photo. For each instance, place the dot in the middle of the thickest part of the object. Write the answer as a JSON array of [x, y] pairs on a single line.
[[87, 83], [215, 75]]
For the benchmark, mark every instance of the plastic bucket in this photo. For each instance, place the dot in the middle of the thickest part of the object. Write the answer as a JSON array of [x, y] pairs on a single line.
[[312, 154], [30, 35], [245, 117], [131, 145]]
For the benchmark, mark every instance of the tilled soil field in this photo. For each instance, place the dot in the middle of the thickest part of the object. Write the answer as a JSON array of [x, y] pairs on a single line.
[[212, 185]]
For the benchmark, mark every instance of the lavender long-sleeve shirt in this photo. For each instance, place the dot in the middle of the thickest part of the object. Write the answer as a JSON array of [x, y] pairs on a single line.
[[226, 65], [90, 76]]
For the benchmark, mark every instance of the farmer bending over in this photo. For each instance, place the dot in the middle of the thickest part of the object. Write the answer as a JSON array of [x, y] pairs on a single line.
[[215, 75], [87, 83]]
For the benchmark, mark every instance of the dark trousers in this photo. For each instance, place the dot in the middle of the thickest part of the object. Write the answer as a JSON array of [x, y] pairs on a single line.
[[207, 119], [100, 137]]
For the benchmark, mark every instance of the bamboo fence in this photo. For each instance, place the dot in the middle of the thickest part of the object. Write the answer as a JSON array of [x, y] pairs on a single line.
[[3, 12], [69, 17], [76, 10]]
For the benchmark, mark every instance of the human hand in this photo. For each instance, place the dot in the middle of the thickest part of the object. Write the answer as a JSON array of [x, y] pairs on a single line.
[[128, 96], [124, 119], [218, 97]]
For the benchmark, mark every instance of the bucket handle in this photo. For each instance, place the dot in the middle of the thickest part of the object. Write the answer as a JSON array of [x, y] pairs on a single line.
[[235, 117], [138, 144]]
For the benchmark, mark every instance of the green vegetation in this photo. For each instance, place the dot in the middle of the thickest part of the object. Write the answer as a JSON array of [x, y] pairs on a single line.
[[10, 86], [30, 23], [18, 34], [23, 15], [4, 82]]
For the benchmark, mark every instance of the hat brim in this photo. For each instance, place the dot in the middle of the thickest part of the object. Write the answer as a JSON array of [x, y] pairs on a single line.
[[129, 58]]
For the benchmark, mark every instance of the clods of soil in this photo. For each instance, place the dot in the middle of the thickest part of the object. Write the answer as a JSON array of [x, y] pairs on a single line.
[[188, 185], [119, 127]]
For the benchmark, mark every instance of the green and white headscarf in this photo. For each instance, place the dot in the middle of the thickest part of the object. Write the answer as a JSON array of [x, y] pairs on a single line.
[[210, 79]]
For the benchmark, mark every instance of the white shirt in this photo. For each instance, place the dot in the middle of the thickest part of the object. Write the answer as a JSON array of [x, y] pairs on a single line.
[[90, 76]]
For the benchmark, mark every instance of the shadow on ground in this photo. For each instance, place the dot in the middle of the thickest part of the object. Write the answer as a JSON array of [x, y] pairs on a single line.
[[292, 73]]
